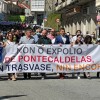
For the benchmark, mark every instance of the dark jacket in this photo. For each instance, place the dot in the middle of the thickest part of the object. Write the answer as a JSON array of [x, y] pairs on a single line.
[[59, 40], [44, 40]]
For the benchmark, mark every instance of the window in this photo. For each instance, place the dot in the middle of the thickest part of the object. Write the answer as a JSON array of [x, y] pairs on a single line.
[[38, 4]]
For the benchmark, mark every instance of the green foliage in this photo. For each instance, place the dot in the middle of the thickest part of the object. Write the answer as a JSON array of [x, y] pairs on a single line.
[[51, 21], [20, 18]]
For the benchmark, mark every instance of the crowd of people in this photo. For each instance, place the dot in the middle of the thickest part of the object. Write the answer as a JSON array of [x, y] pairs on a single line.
[[40, 36]]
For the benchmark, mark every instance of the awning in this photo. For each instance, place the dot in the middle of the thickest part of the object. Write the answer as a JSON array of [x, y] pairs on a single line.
[[6, 23]]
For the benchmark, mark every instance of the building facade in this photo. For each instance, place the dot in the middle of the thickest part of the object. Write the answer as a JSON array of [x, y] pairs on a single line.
[[50, 6], [3, 10], [28, 15], [78, 15], [38, 11], [11, 10]]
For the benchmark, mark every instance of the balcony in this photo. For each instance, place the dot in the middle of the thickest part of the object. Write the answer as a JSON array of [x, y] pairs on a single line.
[[69, 4]]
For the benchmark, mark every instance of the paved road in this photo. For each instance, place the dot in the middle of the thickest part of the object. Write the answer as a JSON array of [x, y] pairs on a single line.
[[50, 89]]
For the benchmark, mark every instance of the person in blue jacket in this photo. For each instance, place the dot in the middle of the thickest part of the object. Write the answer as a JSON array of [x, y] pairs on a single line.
[[62, 38]]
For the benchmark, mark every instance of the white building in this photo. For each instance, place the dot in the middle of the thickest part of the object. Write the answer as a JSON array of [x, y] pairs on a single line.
[[38, 11]]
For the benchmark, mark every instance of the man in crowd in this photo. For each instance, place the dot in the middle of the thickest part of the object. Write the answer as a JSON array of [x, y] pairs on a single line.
[[27, 39], [50, 35], [37, 35], [62, 38], [44, 40]]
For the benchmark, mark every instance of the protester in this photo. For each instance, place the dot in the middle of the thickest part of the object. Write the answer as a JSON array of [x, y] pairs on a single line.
[[79, 42], [98, 42], [15, 35], [1, 49], [1, 39], [8, 43], [93, 38], [70, 36], [18, 35], [87, 40], [44, 40], [78, 32], [79, 39], [54, 37], [4, 38], [38, 32], [36, 35], [27, 39], [62, 38], [50, 34], [57, 33]]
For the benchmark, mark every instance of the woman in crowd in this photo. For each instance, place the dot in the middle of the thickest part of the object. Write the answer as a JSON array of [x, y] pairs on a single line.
[[79, 39], [11, 41], [87, 40], [78, 42]]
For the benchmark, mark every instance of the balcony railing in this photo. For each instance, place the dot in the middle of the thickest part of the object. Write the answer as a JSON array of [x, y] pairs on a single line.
[[63, 3]]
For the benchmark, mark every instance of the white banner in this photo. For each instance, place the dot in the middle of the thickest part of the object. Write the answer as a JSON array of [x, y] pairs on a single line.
[[51, 58]]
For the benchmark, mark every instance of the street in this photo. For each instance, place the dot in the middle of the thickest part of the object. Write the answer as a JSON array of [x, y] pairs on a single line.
[[42, 41], [51, 88]]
